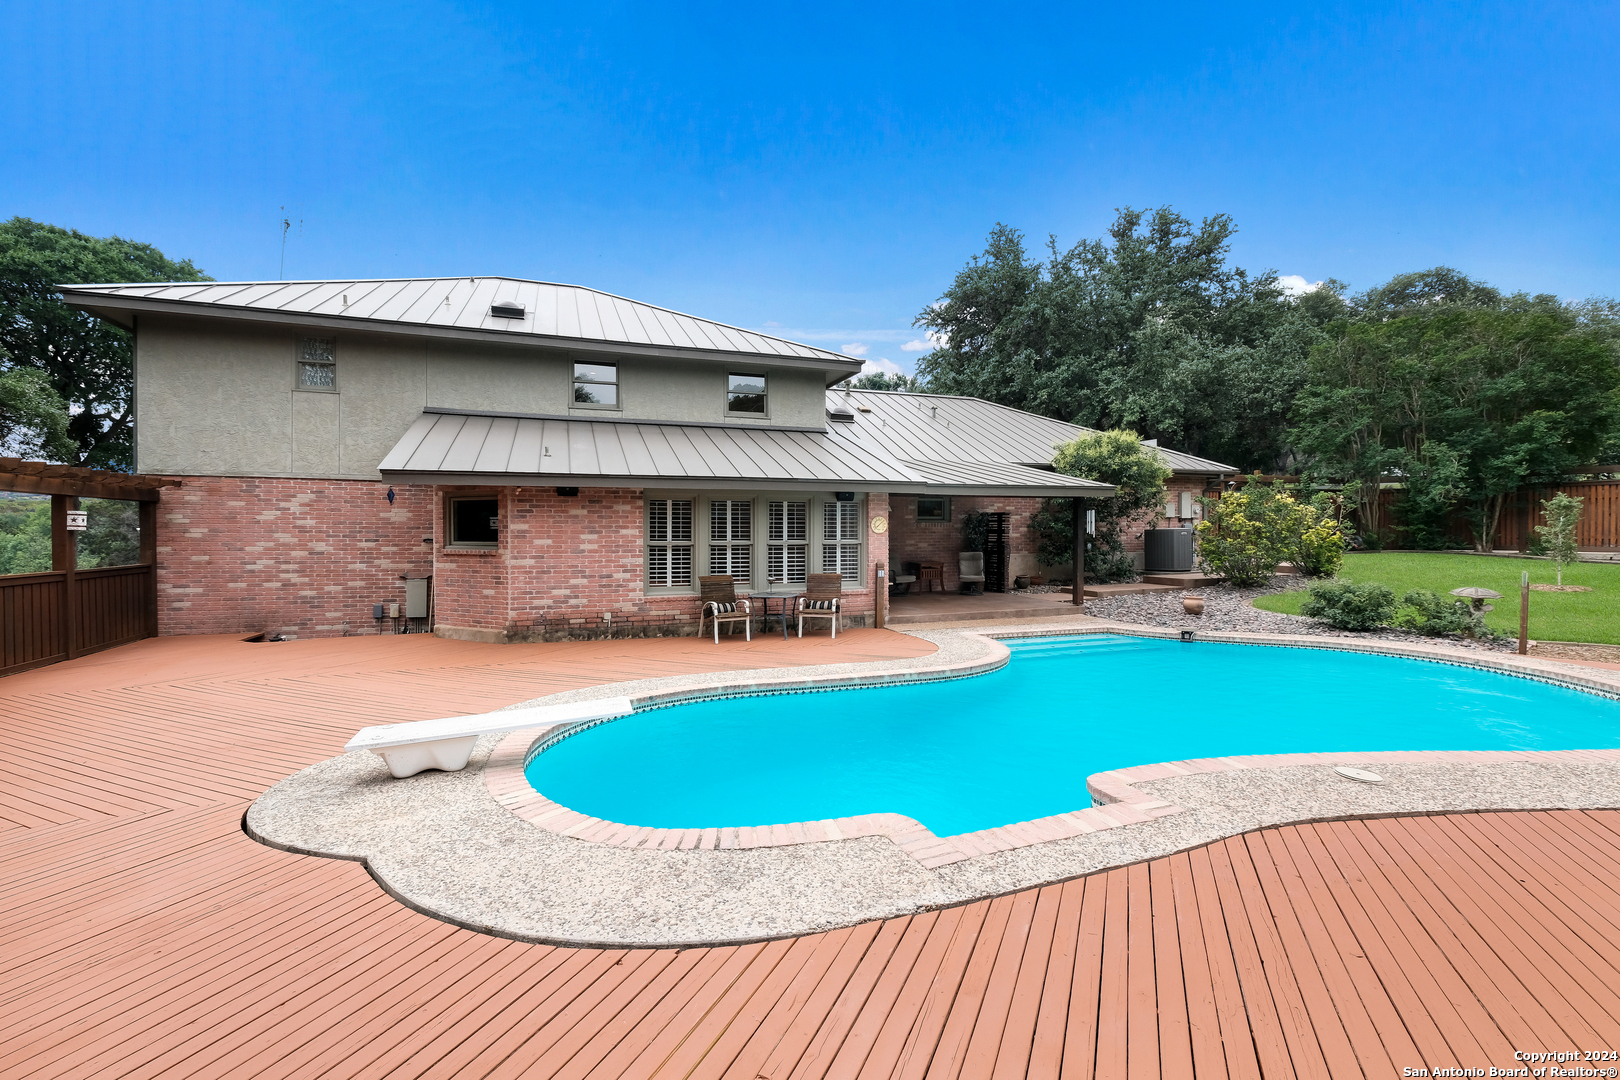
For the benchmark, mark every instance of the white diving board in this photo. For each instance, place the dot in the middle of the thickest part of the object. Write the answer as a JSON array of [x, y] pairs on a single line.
[[447, 744]]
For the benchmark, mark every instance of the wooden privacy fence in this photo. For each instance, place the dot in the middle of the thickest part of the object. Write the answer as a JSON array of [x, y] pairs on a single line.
[[1598, 529], [66, 612]]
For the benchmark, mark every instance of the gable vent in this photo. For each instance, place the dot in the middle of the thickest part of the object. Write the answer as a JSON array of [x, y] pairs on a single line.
[[506, 309], [841, 416]]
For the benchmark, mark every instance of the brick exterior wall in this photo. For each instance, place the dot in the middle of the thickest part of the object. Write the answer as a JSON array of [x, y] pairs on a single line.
[[297, 557]]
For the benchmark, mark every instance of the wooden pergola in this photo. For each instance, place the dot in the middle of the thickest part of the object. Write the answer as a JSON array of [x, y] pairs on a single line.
[[65, 612]]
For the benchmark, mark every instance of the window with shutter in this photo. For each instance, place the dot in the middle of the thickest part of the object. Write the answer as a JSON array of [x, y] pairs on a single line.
[[731, 538], [841, 540], [788, 541], [669, 543]]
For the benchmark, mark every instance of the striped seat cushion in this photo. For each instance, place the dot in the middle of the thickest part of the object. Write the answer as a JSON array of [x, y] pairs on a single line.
[[820, 605], [723, 609]]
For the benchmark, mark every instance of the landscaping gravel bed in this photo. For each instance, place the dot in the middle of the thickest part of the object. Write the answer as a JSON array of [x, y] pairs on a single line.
[[1229, 608]]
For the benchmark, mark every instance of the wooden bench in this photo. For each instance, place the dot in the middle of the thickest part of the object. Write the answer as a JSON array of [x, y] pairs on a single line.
[[447, 744]]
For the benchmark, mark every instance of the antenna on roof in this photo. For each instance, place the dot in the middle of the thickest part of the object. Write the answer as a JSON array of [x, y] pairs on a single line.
[[286, 226]]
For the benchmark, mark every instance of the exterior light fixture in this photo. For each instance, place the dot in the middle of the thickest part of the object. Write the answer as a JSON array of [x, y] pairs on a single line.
[[390, 496]]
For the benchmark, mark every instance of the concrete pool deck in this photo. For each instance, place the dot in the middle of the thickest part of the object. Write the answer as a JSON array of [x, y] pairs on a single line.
[[478, 848]]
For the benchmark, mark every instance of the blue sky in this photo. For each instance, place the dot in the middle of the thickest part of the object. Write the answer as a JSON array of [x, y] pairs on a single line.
[[822, 170]]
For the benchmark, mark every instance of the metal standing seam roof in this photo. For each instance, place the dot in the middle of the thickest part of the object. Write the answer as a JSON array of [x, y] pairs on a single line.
[[481, 448], [551, 310], [945, 427]]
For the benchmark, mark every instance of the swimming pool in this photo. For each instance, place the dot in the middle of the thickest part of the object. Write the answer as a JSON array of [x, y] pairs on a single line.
[[1018, 743]]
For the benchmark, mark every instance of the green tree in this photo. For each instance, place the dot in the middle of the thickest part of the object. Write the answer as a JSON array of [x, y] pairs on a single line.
[[1109, 457], [1148, 328], [1558, 536], [25, 536], [1464, 394], [33, 417], [883, 380], [87, 361]]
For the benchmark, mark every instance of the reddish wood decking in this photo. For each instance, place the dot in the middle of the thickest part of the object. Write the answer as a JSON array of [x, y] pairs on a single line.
[[143, 935]]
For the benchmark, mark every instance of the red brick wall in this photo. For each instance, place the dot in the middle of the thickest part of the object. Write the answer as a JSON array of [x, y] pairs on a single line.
[[941, 542], [302, 557], [564, 563]]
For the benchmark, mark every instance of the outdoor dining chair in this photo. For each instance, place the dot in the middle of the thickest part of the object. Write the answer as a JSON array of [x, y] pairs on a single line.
[[720, 603], [822, 599], [971, 571]]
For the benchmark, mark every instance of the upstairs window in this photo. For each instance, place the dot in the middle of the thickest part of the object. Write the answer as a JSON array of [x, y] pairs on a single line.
[[669, 543], [474, 523], [745, 394], [596, 385], [787, 541], [841, 540], [317, 364], [731, 538]]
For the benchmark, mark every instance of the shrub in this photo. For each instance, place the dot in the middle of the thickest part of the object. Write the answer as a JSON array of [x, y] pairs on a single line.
[[1432, 615], [1245, 534], [1319, 552], [1113, 457], [1349, 606]]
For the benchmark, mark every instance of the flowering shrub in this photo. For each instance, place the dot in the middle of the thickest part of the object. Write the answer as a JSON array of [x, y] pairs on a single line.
[[1245, 534], [1349, 606], [1320, 549]]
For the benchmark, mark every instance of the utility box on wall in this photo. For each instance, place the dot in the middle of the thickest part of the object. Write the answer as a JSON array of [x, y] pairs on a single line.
[[418, 596]]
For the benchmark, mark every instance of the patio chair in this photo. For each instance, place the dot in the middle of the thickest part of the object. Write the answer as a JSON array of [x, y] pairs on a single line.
[[970, 570], [822, 599], [720, 603]]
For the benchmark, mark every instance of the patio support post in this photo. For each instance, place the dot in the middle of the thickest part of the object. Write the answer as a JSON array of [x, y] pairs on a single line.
[[880, 594], [65, 560], [1080, 553]]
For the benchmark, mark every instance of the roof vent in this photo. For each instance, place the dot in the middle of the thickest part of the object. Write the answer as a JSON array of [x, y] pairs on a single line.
[[841, 416], [506, 309]]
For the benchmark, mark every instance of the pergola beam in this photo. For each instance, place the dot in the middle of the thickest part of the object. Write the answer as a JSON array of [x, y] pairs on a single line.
[[44, 478]]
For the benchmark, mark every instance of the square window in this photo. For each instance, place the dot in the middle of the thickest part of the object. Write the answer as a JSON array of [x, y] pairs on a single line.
[[933, 509], [473, 523], [745, 394], [596, 385], [317, 364]]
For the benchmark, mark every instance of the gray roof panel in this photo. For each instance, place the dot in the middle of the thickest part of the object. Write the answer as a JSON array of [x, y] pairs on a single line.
[[567, 312], [460, 448], [943, 427]]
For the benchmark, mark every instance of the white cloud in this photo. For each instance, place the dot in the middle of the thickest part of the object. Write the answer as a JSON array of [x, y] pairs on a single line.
[[931, 340], [885, 365], [1295, 285], [774, 325], [854, 348]]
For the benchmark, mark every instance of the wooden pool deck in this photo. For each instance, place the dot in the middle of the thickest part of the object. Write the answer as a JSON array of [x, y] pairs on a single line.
[[142, 934]]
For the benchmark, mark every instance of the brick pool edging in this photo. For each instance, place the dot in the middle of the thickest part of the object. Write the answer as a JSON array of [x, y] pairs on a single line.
[[1116, 802]]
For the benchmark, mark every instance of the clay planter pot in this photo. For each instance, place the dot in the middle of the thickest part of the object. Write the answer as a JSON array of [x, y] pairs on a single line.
[[1020, 582], [1036, 579], [1192, 605]]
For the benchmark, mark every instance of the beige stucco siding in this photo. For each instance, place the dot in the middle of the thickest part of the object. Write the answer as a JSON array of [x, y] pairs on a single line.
[[218, 398]]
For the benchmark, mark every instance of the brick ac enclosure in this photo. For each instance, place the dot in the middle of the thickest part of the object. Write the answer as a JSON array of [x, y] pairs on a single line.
[[564, 564], [932, 541], [246, 555]]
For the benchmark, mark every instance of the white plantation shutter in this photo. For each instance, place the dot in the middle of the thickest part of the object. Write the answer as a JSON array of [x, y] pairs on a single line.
[[731, 536], [788, 541], [841, 540], [669, 543]]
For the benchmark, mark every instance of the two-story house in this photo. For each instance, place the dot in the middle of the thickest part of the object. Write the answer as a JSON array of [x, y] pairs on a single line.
[[559, 461]]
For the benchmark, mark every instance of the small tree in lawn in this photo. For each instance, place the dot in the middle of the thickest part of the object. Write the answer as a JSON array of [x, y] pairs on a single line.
[[1563, 513]]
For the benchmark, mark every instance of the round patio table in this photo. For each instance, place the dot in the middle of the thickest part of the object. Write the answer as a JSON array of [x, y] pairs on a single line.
[[765, 599]]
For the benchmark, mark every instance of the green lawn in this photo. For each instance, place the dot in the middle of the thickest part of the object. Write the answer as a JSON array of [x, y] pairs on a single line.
[[1588, 616]]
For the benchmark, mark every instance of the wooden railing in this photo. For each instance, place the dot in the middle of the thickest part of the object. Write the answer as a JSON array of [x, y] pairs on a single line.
[[58, 615]]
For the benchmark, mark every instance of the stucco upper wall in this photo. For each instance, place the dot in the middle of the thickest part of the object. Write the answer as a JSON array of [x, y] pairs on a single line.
[[219, 398]]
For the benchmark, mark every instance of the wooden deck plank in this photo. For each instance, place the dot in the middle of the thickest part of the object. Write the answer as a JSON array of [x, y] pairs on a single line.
[[1298, 950]]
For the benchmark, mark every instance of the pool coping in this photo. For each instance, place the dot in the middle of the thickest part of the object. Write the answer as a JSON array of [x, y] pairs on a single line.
[[1116, 801]]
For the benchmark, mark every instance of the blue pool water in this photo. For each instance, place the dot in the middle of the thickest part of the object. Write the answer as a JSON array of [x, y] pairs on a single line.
[[1018, 743]]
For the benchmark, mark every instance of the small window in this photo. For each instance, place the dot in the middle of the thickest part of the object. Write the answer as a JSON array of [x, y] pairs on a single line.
[[745, 394], [933, 509], [474, 523], [596, 385], [317, 364]]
